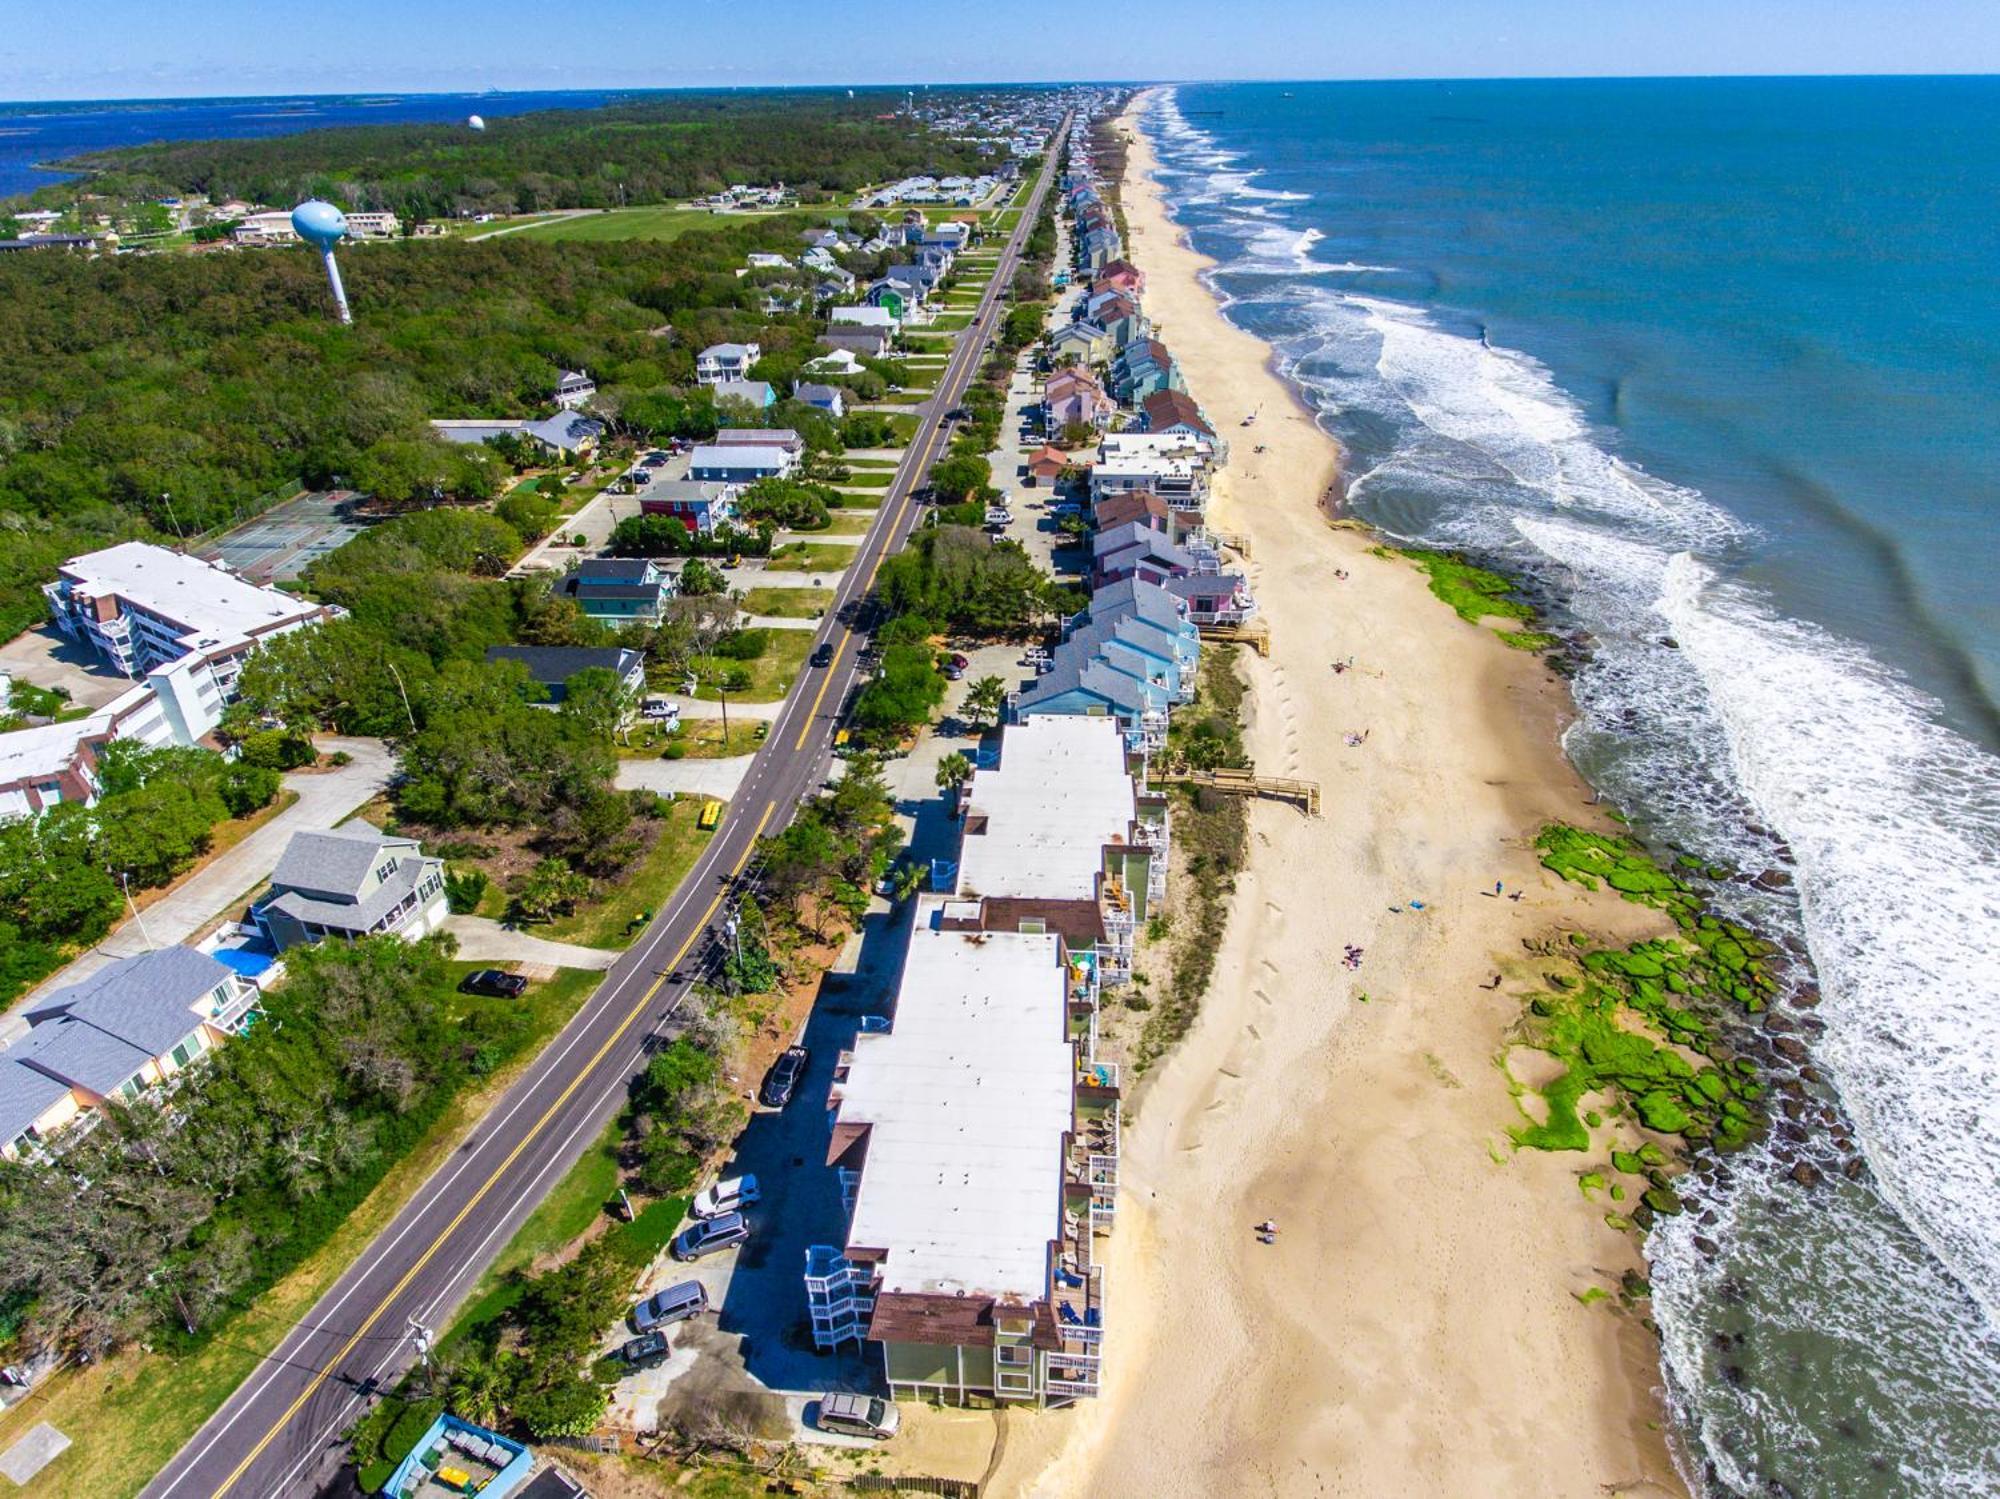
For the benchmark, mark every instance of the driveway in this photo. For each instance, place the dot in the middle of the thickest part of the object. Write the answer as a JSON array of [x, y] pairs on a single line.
[[325, 798], [483, 940], [716, 777]]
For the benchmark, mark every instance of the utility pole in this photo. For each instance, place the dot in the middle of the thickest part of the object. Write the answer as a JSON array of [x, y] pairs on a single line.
[[424, 1338], [125, 884], [168, 500], [407, 710]]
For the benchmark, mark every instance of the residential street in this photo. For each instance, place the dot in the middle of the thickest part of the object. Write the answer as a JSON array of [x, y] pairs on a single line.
[[281, 1432]]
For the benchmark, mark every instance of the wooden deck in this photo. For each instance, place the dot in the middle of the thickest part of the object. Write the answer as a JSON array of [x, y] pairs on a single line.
[[1246, 783]]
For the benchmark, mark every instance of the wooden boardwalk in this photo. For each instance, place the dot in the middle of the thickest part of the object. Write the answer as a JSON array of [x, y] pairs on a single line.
[[1256, 634], [1246, 783]]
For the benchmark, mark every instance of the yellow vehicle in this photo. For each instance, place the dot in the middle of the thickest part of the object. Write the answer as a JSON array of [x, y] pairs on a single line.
[[710, 816]]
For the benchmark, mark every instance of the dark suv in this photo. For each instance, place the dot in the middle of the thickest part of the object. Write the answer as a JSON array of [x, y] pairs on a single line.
[[494, 982], [824, 655], [783, 1078]]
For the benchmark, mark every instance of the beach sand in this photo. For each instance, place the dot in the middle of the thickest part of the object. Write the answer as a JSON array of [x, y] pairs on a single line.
[[1415, 1329]]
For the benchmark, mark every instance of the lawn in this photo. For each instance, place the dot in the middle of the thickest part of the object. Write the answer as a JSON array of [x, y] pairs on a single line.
[[701, 738], [853, 522], [610, 922], [810, 557], [951, 322], [788, 603], [878, 478], [128, 1414], [660, 221], [771, 674]]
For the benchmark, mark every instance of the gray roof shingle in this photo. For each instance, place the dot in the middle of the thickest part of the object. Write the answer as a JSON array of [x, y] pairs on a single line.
[[146, 1001], [332, 863]]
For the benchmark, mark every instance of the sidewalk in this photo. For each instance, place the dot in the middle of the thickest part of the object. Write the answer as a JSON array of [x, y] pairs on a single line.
[[325, 797]]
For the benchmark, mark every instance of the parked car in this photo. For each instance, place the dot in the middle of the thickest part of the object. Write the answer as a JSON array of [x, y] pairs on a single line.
[[859, 1416], [647, 1348], [782, 1081], [823, 656], [711, 1236], [730, 1195], [674, 1304], [963, 663], [495, 983]]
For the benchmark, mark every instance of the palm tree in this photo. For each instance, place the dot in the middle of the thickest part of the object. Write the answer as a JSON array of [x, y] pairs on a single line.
[[953, 771]]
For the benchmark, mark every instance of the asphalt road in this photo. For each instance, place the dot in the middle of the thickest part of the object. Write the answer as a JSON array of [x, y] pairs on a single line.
[[280, 1433]]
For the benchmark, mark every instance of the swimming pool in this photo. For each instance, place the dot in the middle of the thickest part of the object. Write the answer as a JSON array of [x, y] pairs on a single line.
[[248, 961]]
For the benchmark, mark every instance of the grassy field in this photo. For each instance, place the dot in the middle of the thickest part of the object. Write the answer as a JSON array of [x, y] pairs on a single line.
[[661, 221], [788, 603], [695, 739], [609, 922], [868, 478], [771, 674], [810, 557], [951, 322], [128, 1414], [853, 522]]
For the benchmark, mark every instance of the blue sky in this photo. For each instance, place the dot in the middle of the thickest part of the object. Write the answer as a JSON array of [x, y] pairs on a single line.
[[145, 48]]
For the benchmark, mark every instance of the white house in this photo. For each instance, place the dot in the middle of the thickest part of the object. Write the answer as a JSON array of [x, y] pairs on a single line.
[[719, 362]]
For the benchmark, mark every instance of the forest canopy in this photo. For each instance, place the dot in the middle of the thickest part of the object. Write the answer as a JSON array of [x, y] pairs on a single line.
[[644, 150]]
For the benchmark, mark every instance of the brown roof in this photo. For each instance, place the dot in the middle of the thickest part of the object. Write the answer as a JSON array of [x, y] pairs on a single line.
[[1168, 408], [1079, 922], [849, 1145], [1046, 462], [953, 1321], [1134, 505]]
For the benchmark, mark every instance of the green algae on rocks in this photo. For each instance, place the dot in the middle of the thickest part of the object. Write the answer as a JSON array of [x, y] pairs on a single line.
[[1476, 594], [1628, 1022]]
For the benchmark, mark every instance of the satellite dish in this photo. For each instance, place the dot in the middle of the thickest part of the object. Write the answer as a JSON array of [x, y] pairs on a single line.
[[323, 226], [473, 122]]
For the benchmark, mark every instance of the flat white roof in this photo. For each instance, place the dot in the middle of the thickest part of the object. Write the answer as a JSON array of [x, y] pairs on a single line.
[[1058, 796], [738, 455], [203, 597], [43, 752], [969, 1098]]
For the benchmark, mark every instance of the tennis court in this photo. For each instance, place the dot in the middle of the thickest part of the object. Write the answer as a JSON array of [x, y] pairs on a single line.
[[279, 544]]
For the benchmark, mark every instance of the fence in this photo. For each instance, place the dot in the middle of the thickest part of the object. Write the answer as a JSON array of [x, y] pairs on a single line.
[[950, 1488]]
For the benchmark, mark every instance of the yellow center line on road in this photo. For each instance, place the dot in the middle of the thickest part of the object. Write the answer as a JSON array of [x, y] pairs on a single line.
[[528, 1139]]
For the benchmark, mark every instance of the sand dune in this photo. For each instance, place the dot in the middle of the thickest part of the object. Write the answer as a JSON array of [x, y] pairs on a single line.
[[1415, 1329]]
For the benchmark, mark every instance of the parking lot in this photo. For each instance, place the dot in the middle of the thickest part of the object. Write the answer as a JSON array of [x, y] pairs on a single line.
[[282, 542]]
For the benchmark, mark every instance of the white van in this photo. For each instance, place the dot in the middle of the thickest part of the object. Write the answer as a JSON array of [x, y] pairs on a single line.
[[731, 1195]]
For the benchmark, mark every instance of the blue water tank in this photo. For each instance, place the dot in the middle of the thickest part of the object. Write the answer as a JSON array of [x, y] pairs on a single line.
[[319, 224]]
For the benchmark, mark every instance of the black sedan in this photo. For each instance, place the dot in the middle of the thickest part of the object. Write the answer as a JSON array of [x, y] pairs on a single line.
[[647, 1348], [783, 1079], [494, 982], [824, 655]]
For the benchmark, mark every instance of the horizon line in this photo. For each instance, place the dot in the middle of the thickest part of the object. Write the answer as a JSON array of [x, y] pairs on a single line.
[[956, 86]]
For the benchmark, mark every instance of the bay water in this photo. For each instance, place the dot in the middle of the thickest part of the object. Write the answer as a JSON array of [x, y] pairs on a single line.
[[1715, 364]]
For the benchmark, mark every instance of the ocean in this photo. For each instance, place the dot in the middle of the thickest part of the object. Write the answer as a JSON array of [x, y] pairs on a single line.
[[1715, 364], [32, 135]]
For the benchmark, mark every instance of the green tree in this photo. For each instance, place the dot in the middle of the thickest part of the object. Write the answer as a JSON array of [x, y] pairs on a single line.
[[986, 699], [961, 476], [953, 771], [550, 889]]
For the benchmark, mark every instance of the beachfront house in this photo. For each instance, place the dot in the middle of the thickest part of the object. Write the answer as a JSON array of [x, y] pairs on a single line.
[[1076, 685], [1074, 397], [351, 881], [976, 1142], [1135, 549], [127, 1030], [1173, 413], [1159, 608], [1082, 341], [719, 362], [1181, 481]]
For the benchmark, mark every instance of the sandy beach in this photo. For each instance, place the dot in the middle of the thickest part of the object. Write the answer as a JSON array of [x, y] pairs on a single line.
[[1416, 1329]]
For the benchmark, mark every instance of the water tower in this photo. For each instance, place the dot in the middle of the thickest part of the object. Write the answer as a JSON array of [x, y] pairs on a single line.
[[323, 226]]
